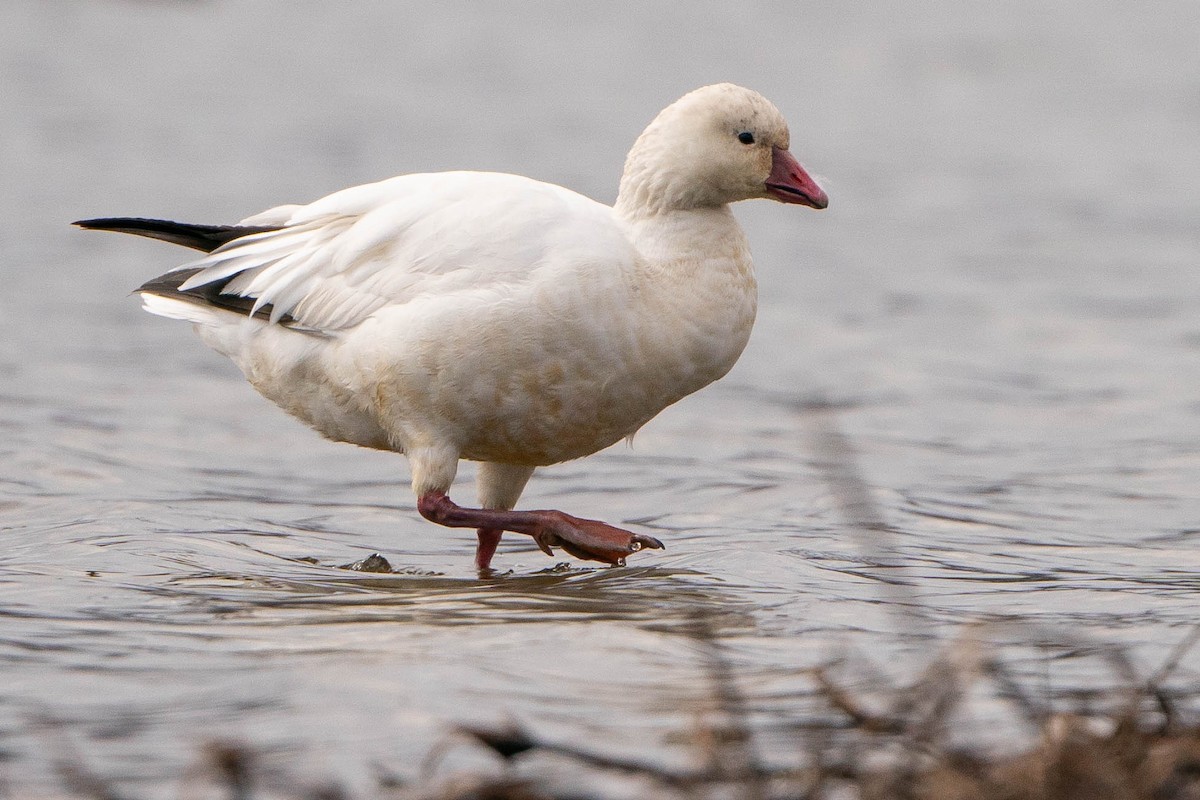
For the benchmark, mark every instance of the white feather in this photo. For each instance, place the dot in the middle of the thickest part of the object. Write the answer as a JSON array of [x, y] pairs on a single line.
[[171, 308]]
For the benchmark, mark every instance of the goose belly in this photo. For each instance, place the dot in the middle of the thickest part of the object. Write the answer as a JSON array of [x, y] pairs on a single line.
[[512, 396], [292, 370], [505, 395], [536, 388]]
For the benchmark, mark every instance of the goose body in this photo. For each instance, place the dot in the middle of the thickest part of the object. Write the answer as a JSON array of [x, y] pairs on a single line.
[[491, 317]]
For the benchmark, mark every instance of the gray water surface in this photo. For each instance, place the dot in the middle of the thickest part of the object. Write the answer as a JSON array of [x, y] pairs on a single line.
[[998, 312]]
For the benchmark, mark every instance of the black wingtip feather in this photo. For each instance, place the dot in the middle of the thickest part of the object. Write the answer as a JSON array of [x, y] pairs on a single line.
[[198, 237], [210, 294]]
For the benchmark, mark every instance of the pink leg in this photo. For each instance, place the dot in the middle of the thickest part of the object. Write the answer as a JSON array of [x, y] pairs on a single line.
[[588, 539], [489, 538]]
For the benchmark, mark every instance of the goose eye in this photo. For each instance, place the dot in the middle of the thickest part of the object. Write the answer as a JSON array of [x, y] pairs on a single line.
[[746, 137]]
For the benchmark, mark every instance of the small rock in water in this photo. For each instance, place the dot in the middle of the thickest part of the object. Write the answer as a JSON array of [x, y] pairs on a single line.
[[372, 563]]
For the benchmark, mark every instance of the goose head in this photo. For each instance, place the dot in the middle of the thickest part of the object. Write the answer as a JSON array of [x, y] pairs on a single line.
[[716, 145]]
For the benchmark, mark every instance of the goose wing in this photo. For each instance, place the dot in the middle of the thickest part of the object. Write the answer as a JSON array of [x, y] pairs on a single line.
[[334, 262]]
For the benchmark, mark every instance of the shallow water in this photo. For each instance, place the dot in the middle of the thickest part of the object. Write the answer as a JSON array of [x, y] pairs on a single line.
[[997, 312]]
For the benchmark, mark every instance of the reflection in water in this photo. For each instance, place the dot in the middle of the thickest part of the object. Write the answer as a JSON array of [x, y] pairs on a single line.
[[656, 597]]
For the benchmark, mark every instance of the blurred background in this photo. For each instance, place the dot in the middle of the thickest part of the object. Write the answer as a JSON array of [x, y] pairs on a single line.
[[997, 311]]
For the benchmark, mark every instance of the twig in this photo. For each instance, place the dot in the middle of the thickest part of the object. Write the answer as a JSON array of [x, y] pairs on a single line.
[[838, 462]]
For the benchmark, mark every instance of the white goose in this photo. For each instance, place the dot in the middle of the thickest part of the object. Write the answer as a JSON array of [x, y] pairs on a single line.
[[495, 318]]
